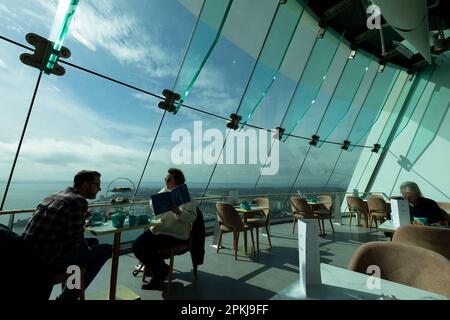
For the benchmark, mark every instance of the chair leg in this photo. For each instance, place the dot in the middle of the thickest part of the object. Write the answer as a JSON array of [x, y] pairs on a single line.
[[370, 222], [253, 240], [323, 226], [169, 284], [351, 216], [220, 241], [257, 239], [195, 271], [236, 243], [320, 227], [293, 226], [268, 236], [331, 223], [376, 223]]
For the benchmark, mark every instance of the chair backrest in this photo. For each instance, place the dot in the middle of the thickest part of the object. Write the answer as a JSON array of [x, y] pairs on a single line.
[[436, 239], [327, 202], [300, 206], [227, 216], [409, 265], [263, 202], [356, 203], [377, 204]]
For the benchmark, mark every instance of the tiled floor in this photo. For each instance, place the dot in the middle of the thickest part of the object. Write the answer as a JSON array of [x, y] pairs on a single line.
[[252, 277]]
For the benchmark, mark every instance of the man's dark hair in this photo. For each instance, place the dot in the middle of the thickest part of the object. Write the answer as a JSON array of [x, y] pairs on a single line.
[[177, 175], [84, 176]]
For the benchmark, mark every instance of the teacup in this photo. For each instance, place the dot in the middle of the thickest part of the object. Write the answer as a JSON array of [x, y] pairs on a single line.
[[118, 220]]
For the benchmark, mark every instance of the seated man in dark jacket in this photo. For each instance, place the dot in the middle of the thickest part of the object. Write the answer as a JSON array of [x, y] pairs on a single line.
[[55, 232], [420, 207], [22, 275]]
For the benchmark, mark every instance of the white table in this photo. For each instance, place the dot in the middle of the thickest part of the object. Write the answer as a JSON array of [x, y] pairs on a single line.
[[342, 284], [387, 226]]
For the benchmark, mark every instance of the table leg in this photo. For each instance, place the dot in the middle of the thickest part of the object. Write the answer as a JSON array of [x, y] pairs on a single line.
[[114, 266], [245, 243]]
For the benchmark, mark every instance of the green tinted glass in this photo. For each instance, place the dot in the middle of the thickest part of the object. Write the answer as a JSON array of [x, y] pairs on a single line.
[[312, 79], [271, 58], [344, 95], [416, 95], [370, 111], [204, 38]]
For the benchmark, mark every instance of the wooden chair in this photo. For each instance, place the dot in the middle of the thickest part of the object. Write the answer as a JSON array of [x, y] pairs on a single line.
[[262, 221], [171, 252], [432, 238], [301, 210], [359, 207], [229, 221], [325, 210], [378, 208], [405, 264]]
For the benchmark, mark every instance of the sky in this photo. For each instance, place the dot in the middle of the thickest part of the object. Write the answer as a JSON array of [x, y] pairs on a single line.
[[83, 122]]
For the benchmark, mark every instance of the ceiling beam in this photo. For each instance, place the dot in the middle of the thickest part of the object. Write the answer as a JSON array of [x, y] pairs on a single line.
[[366, 35], [336, 10]]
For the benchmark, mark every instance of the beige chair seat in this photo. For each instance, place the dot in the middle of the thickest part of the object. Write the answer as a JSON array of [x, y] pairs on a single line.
[[432, 238], [406, 264]]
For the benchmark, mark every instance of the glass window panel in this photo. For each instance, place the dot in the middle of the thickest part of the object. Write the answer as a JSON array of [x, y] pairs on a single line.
[[206, 34], [281, 92], [316, 171], [342, 130], [17, 18], [17, 84], [310, 123], [349, 84], [311, 80], [342, 174], [291, 155], [137, 42], [272, 55], [422, 81], [431, 121], [405, 86], [223, 78], [371, 109], [74, 127], [190, 141]]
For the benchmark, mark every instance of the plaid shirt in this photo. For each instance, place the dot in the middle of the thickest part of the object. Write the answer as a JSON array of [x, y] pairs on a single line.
[[57, 225]]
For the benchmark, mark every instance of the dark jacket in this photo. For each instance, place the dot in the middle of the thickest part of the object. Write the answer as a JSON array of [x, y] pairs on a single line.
[[427, 208], [198, 240], [22, 275]]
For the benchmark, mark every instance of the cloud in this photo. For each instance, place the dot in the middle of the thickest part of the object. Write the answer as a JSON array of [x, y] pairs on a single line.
[[84, 41], [106, 25]]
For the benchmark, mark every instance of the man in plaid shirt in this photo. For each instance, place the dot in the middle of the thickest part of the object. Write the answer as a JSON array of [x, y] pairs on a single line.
[[55, 232]]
